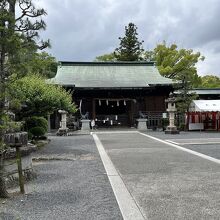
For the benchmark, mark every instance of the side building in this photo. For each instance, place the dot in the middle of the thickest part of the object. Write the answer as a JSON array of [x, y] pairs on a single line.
[[204, 113], [116, 93]]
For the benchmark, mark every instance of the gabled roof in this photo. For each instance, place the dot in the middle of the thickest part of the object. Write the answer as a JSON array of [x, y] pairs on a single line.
[[204, 106], [108, 75], [211, 91]]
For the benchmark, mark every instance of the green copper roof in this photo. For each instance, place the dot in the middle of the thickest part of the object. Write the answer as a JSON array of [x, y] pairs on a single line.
[[108, 75]]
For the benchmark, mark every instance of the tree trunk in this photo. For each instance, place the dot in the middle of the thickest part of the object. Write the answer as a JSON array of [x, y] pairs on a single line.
[[3, 189]]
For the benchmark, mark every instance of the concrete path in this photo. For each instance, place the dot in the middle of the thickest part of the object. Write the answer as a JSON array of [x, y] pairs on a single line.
[[164, 182]]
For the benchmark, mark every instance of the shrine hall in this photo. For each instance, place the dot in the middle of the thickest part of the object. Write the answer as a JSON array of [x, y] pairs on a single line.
[[115, 93]]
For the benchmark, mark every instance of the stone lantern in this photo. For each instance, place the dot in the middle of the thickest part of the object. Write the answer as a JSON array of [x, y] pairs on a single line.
[[17, 140], [171, 128], [63, 129]]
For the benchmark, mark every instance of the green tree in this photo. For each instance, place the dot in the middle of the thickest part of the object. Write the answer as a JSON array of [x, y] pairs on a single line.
[[20, 22], [40, 98], [179, 65], [44, 65], [39, 63], [130, 48], [106, 57], [209, 81]]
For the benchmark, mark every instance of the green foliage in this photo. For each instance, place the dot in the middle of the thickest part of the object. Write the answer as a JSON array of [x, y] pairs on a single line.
[[3, 128], [44, 65], [106, 57], [209, 81], [164, 122], [179, 65], [130, 48], [8, 125], [182, 127], [19, 27], [30, 136], [36, 122], [184, 98], [20, 23], [40, 63], [37, 131], [174, 63], [39, 97]]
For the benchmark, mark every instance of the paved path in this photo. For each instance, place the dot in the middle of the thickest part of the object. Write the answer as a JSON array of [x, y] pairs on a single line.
[[150, 179], [164, 182], [71, 185], [207, 143]]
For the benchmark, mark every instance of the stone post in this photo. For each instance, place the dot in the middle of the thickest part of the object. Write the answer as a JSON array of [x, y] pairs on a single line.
[[48, 123], [17, 140], [20, 174]]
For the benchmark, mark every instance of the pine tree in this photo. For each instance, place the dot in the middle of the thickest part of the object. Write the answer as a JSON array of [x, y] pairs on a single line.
[[16, 34], [130, 47]]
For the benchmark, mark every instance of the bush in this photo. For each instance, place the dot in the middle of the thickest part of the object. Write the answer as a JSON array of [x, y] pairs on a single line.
[[35, 121], [30, 135], [165, 123], [182, 127], [37, 131]]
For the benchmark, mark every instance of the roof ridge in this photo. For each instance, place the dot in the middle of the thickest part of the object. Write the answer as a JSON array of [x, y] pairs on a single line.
[[136, 63]]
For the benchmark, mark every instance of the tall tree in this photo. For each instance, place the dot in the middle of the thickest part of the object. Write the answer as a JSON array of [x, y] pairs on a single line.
[[39, 97], [130, 48], [40, 63], [179, 65], [209, 81], [18, 30]]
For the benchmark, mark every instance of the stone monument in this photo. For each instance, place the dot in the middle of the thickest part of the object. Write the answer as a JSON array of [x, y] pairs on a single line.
[[171, 128]]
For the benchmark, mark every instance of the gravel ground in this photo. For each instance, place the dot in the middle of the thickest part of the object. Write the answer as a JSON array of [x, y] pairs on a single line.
[[71, 184]]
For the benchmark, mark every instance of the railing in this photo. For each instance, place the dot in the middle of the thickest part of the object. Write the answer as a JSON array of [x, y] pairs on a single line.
[[154, 118]]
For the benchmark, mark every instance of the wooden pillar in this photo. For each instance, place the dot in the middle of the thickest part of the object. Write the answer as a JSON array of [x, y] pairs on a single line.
[[214, 121], [188, 118], [93, 109], [131, 113]]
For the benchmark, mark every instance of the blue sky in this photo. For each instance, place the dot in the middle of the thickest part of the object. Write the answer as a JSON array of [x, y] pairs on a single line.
[[80, 30]]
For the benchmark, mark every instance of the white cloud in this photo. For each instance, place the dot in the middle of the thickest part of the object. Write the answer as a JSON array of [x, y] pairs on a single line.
[[82, 30]]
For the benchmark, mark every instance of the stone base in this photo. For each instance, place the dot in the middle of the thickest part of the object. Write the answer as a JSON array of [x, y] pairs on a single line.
[[62, 132], [85, 124], [142, 124], [172, 130]]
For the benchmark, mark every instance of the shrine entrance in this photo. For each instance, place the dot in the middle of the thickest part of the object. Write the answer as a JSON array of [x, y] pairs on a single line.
[[112, 112]]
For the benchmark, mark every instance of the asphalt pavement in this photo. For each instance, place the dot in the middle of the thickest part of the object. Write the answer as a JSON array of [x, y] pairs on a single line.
[[207, 143], [165, 182]]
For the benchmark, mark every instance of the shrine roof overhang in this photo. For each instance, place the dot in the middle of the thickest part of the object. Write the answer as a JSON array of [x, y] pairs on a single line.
[[109, 75]]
